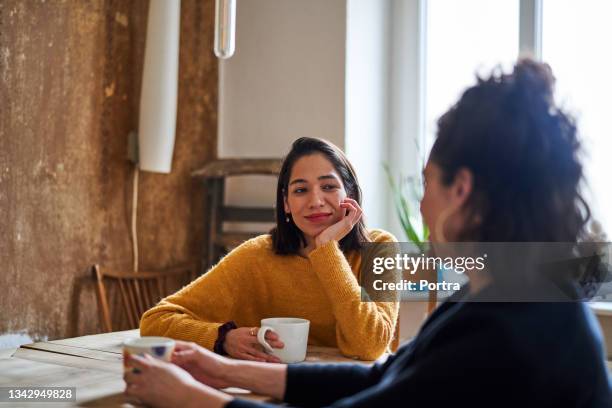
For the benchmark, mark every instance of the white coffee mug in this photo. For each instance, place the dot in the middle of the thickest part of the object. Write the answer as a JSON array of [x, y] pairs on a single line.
[[293, 332], [157, 347]]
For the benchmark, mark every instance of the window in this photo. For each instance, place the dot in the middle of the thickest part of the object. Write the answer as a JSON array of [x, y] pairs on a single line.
[[464, 38], [472, 36], [575, 37], [457, 39]]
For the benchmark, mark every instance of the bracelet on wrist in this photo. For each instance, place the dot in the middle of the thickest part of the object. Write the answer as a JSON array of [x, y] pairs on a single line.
[[223, 330]]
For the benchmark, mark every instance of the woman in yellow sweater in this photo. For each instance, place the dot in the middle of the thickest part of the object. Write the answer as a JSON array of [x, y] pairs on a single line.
[[307, 267]]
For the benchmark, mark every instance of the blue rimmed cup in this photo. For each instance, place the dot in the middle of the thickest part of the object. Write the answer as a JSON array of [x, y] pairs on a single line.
[[157, 347]]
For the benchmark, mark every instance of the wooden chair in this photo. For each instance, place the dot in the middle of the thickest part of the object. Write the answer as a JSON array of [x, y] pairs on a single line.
[[213, 176], [139, 291]]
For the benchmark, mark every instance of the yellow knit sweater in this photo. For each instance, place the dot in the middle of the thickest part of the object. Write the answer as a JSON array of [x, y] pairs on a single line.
[[252, 283]]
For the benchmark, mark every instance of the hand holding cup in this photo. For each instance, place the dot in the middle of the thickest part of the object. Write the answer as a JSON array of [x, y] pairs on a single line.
[[242, 343]]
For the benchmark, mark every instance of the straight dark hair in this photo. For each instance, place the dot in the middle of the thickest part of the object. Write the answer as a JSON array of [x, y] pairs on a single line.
[[287, 238]]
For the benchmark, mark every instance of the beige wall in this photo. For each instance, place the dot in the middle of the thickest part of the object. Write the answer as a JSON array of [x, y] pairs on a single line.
[[70, 82], [285, 80]]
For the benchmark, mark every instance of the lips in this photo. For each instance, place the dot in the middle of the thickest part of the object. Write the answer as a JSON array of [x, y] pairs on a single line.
[[318, 217]]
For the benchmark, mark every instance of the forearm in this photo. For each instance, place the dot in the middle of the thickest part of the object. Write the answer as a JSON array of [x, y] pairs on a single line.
[[295, 384], [196, 312], [262, 378], [364, 329], [201, 395], [163, 321]]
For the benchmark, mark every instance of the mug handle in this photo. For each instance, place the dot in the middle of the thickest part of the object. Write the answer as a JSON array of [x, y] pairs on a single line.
[[261, 337]]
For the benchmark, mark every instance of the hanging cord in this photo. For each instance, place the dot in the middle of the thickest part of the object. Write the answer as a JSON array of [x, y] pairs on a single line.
[[134, 214]]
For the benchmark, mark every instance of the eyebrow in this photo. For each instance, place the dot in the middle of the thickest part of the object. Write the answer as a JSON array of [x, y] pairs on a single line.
[[323, 177]]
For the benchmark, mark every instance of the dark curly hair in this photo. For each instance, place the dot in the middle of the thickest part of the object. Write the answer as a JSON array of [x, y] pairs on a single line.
[[523, 152], [287, 238]]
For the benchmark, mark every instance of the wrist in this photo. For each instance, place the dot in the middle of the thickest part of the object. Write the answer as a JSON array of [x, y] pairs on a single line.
[[228, 372], [199, 395], [223, 331], [320, 241]]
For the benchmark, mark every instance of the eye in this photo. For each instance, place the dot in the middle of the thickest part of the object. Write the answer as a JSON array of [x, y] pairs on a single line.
[[329, 187], [299, 190]]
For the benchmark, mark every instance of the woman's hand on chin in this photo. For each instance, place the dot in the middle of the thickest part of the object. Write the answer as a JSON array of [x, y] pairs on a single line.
[[352, 213]]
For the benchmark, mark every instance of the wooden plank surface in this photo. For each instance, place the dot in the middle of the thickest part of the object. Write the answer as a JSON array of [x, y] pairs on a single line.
[[94, 365], [319, 354], [98, 383], [66, 360], [110, 342], [75, 351], [100, 345], [95, 388], [7, 352]]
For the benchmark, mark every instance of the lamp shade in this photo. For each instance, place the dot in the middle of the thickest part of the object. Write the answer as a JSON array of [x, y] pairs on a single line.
[[158, 96], [225, 28]]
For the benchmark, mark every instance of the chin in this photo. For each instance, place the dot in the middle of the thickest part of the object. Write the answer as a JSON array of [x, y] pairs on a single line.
[[313, 232]]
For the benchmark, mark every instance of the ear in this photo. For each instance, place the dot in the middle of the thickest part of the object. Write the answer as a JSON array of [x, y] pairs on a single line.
[[462, 186]]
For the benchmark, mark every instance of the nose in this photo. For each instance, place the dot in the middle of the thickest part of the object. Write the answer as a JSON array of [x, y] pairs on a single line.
[[316, 199]]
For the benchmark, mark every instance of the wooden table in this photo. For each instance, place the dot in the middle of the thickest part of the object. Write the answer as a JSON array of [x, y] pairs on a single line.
[[94, 365]]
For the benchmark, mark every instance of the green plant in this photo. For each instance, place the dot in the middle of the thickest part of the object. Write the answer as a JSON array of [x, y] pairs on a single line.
[[405, 199]]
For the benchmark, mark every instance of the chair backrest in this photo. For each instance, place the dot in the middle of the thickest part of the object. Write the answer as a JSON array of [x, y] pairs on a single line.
[[214, 176], [139, 291]]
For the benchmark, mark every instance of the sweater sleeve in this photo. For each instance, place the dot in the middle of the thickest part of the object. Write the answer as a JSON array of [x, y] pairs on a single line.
[[364, 329], [196, 312]]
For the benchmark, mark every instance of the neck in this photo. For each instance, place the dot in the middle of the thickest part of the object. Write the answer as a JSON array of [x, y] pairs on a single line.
[[310, 246]]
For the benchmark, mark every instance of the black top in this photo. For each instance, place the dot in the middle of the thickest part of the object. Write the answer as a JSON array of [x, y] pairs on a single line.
[[472, 354]]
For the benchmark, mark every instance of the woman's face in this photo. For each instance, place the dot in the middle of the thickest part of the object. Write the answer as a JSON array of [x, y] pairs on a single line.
[[442, 205], [314, 194]]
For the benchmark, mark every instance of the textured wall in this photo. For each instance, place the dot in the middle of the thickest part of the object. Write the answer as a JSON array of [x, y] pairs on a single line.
[[70, 74]]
